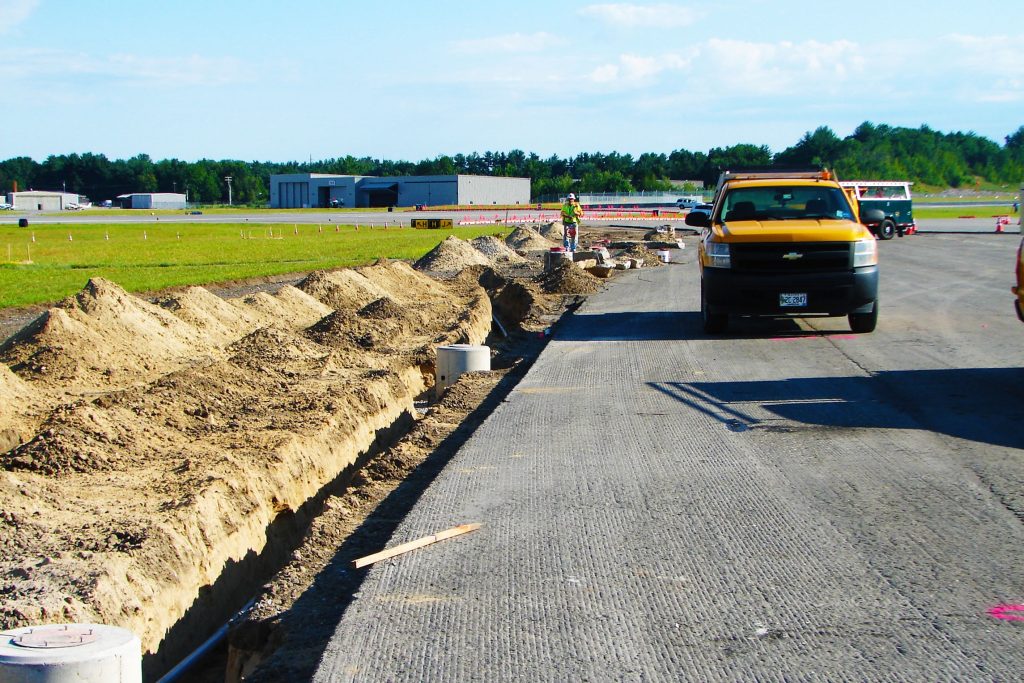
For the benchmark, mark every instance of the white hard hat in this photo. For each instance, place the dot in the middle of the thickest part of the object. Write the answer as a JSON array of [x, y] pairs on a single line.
[[571, 196]]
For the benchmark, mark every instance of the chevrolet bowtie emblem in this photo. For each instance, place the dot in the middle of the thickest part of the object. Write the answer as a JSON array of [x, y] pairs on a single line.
[[792, 256]]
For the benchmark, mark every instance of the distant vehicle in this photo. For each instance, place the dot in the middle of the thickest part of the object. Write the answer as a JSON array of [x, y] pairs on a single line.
[[892, 198], [688, 202], [4, 206], [702, 208], [1018, 289], [71, 206], [107, 203]]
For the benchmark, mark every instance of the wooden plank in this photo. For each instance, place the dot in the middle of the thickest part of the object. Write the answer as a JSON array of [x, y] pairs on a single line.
[[413, 545]]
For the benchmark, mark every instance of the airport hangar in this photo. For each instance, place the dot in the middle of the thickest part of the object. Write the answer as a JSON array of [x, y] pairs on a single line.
[[322, 190]]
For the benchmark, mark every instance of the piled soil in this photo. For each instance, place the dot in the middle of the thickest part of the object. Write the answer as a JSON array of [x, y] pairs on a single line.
[[524, 239], [551, 231], [566, 278], [648, 258], [452, 255], [151, 449], [496, 250]]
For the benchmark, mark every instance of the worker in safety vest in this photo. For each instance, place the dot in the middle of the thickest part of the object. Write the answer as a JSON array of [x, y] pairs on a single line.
[[572, 213]]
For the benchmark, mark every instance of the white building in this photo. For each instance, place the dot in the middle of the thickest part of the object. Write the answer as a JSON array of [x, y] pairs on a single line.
[[152, 200], [40, 200], [322, 190]]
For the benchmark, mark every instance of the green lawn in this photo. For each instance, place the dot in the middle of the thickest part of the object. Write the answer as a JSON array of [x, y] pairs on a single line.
[[957, 211], [151, 257]]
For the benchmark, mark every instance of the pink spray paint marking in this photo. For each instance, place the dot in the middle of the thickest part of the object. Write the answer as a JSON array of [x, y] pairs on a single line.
[[1007, 612]]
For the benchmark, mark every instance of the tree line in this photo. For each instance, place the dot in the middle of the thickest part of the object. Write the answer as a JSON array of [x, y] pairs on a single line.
[[875, 152]]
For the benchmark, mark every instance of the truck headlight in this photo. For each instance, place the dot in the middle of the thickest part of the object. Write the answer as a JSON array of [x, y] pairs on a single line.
[[716, 255], [865, 253]]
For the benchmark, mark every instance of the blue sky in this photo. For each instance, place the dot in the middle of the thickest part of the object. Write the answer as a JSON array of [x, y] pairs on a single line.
[[278, 81]]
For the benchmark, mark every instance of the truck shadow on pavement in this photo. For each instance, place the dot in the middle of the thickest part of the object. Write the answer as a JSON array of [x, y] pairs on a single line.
[[985, 405], [677, 326], [631, 326]]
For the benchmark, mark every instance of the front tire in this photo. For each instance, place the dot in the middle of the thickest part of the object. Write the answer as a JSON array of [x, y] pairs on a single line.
[[864, 323], [713, 323], [886, 230]]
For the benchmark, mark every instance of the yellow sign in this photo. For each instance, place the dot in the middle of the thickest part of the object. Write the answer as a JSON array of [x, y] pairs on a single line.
[[432, 223]]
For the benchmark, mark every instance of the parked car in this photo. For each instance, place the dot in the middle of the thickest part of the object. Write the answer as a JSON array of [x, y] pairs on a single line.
[[687, 202], [702, 208], [4, 206]]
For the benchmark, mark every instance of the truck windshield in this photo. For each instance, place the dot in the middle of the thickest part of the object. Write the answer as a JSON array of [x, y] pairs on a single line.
[[882, 192], [784, 202]]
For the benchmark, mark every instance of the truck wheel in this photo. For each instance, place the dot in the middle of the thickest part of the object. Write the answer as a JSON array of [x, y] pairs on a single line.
[[713, 323], [886, 230], [862, 323]]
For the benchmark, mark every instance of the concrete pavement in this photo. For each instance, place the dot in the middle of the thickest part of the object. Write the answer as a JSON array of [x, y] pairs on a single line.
[[787, 502]]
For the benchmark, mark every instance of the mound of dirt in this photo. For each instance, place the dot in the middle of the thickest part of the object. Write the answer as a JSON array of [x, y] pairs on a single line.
[[451, 255], [213, 316], [18, 403], [12, 388], [643, 254], [104, 337], [153, 448], [496, 250], [381, 309], [551, 231], [290, 306], [528, 239], [341, 290], [567, 278]]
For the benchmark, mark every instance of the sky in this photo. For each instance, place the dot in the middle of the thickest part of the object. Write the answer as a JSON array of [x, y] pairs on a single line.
[[280, 81]]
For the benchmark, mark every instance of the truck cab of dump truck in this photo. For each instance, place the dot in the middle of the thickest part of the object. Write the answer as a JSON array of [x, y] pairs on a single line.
[[786, 243]]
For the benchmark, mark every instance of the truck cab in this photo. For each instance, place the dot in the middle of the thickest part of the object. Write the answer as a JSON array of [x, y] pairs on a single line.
[[786, 243], [892, 198]]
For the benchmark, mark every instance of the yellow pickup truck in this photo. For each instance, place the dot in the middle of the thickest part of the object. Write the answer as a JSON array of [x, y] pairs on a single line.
[[786, 243]]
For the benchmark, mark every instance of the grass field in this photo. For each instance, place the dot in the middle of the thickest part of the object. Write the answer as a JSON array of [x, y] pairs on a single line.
[[957, 211], [141, 258]]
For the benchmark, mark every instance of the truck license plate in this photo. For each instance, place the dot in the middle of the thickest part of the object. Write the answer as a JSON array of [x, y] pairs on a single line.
[[792, 300]]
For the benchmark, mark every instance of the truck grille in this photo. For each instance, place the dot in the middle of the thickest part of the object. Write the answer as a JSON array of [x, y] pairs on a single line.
[[792, 258]]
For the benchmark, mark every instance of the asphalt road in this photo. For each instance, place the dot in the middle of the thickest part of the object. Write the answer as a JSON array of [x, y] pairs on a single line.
[[788, 501], [594, 217]]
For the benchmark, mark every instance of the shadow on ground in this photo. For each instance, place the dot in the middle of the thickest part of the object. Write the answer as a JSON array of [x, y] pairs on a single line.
[[985, 405]]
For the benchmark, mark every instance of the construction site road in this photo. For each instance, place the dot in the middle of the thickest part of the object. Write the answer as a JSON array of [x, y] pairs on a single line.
[[787, 501]]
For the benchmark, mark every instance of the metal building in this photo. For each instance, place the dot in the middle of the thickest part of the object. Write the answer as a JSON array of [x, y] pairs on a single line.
[[152, 200], [321, 190], [40, 200]]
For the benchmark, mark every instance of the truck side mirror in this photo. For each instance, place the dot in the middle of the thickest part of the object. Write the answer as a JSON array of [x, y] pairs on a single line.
[[872, 216], [698, 219]]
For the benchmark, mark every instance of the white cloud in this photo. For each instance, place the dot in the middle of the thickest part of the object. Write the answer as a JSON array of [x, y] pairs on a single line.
[[635, 70], [992, 67], [511, 42], [14, 12], [783, 68], [661, 15], [57, 66]]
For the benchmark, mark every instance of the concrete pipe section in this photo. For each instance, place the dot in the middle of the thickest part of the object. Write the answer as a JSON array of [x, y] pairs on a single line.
[[70, 653]]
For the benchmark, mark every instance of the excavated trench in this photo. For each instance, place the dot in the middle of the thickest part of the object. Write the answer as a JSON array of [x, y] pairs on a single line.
[[168, 458]]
